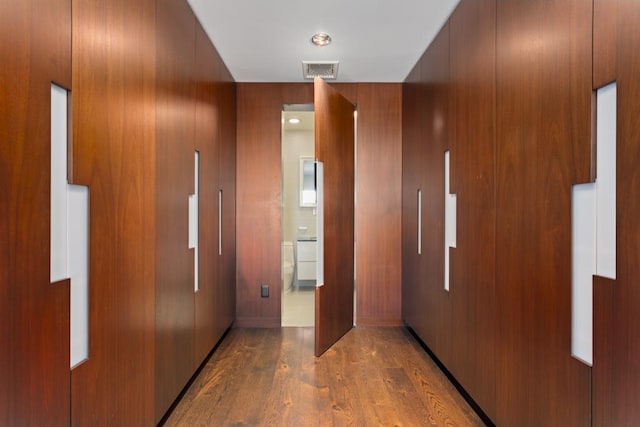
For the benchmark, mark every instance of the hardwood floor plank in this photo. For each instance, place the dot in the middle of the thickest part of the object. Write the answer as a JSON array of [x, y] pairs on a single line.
[[280, 406], [247, 405], [443, 400], [371, 377], [402, 391], [314, 398]]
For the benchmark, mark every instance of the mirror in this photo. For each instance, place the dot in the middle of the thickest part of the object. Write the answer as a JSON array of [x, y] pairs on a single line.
[[307, 182]]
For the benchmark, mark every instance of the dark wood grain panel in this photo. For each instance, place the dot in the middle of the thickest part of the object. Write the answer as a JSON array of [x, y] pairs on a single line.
[[472, 280], [34, 313], [412, 157], [625, 329], [605, 32], [113, 149], [603, 352], [626, 325], [426, 131], [258, 202], [542, 87], [348, 90], [226, 298], [543, 147], [415, 292], [617, 338], [208, 112], [379, 204], [335, 148], [435, 305], [297, 93], [175, 144], [215, 140]]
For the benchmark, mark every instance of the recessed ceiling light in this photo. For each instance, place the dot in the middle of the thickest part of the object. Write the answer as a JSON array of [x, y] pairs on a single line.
[[294, 120], [321, 39]]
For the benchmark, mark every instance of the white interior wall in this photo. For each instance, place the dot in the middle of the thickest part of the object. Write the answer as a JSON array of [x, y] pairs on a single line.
[[294, 145]]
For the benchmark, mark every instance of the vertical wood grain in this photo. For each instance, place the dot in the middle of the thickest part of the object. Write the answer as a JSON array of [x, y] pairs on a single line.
[[379, 204], [604, 336], [626, 325], [473, 91], [259, 196], [427, 134], [605, 39], [541, 86], [296, 93], [226, 297], [215, 140], [435, 306], [34, 313], [617, 333], [114, 118], [335, 148], [208, 112], [114, 153], [175, 144], [412, 159], [543, 147], [259, 188]]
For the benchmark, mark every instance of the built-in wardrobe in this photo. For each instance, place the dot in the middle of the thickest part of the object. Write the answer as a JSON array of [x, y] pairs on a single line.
[[151, 135], [499, 133]]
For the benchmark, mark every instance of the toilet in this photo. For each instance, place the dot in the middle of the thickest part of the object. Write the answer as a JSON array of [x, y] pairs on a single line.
[[288, 265]]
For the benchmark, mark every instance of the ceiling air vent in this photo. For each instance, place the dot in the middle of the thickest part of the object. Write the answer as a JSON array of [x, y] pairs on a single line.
[[328, 70]]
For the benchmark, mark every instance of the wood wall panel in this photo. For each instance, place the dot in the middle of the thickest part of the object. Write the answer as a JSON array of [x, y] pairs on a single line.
[[300, 93], [412, 159], [215, 140], [472, 280], [616, 378], [505, 330], [626, 325], [259, 197], [34, 313], [259, 194], [379, 204], [426, 135], [175, 145], [605, 19], [114, 154], [434, 306], [543, 147], [208, 112], [348, 90], [604, 394], [226, 297]]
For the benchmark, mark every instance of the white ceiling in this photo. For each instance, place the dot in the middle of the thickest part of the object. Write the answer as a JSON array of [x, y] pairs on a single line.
[[374, 40]]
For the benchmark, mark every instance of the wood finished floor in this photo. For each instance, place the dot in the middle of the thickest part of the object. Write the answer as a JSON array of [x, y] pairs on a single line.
[[372, 377]]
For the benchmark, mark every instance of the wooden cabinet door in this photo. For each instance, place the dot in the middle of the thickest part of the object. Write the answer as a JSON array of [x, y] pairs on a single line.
[[335, 146]]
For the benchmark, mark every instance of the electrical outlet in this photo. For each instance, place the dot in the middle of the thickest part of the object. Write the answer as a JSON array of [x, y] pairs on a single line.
[[264, 291]]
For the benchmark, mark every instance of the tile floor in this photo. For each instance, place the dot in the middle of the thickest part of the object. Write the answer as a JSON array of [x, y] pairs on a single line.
[[298, 307]]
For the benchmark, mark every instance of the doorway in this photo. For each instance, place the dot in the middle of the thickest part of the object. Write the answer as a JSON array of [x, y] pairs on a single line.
[[299, 220], [326, 187]]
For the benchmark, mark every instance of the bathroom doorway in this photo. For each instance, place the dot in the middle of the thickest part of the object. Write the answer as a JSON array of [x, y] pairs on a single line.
[[299, 244]]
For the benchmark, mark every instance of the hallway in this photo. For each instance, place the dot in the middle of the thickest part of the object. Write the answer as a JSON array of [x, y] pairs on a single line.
[[373, 376]]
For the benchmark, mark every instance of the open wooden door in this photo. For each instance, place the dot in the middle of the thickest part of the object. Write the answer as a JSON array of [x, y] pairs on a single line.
[[335, 145]]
